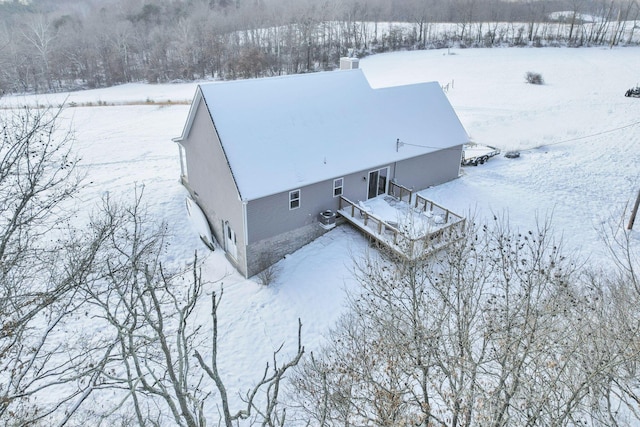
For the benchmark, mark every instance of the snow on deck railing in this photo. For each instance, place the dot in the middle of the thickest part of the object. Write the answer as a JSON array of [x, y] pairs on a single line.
[[367, 218], [398, 191], [426, 204], [401, 241]]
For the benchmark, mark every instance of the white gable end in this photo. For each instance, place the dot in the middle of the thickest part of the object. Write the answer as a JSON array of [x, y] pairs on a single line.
[[287, 132]]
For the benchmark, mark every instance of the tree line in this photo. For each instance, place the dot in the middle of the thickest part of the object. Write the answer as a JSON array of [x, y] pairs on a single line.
[[48, 45]]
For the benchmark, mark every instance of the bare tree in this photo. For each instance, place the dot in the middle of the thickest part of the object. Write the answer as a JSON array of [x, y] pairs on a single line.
[[157, 347], [270, 382], [57, 274], [90, 44], [498, 329], [42, 258], [40, 36]]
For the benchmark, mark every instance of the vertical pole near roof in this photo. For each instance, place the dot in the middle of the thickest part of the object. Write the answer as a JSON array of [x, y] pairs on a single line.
[[634, 212]]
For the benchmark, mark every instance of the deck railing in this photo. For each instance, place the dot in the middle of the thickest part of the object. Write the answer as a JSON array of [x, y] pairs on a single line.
[[369, 218], [401, 242], [428, 205], [399, 191]]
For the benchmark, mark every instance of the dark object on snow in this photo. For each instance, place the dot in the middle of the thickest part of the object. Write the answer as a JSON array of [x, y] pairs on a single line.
[[633, 92], [534, 78], [512, 154]]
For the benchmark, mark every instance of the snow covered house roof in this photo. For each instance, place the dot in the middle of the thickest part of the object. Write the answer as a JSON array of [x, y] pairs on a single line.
[[283, 133]]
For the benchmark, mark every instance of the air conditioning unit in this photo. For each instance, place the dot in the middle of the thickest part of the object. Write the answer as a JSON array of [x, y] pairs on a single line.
[[327, 219]]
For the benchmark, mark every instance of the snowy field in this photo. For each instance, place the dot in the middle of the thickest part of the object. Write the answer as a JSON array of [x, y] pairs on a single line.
[[579, 139]]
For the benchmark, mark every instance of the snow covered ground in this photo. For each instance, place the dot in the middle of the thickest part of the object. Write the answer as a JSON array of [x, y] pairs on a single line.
[[579, 139]]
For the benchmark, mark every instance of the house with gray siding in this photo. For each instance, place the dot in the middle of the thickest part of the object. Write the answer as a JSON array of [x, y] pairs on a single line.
[[263, 158]]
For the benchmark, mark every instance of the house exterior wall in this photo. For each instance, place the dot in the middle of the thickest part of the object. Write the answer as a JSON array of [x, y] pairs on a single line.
[[430, 169], [211, 183], [274, 230], [356, 184], [271, 216]]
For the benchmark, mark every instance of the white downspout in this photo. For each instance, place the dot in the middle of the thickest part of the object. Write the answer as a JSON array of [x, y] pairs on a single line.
[[245, 232], [245, 228]]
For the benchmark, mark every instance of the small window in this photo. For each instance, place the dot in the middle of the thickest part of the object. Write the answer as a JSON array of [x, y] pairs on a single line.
[[294, 199], [337, 187]]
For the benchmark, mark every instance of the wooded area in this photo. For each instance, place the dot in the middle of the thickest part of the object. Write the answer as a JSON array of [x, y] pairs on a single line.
[[48, 45]]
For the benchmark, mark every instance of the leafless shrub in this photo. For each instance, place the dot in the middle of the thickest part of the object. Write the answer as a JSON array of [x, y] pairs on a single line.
[[534, 78], [270, 270]]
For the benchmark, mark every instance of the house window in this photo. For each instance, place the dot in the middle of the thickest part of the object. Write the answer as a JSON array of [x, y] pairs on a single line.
[[294, 199], [377, 182], [337, 187]]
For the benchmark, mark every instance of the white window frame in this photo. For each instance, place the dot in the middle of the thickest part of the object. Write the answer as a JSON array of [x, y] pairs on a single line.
[[386, 170], [294, 199], [338, 189]]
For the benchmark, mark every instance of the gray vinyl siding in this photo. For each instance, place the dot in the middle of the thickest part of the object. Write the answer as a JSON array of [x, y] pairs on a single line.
[[430, 169], [271, 216], [275, 230], [210, 179], [355, 184]]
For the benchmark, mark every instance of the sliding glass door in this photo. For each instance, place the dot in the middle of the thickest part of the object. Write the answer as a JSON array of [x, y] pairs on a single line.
[[377, 182]]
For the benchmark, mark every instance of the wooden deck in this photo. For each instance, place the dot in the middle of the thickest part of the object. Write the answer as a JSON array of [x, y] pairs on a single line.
[[420, 228]]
